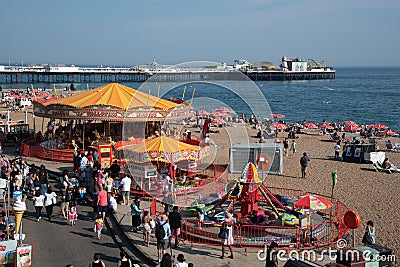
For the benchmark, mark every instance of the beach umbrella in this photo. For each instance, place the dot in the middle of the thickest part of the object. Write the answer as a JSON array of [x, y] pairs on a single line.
[[277, 116], [313, 202], [389, 132], [349, 122], [279, 126], [218, 121], [326, 126], [310, 125], [226, 115], [203, 112], [217, 114], [352, 128], [380, 126]]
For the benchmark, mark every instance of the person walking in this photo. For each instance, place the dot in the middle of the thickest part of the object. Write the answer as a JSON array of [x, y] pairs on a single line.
[[146, 224], [369, 234], [38, 202], [304, 164], [50, 201], [271, 259], [293, 147], [337, 150], [163, 233], [175, 221], [72, 214], [285, 146], [135, 213], [43, 179], [98, 226], [102, 202], [124, 261], [96, 261], [65, 198]]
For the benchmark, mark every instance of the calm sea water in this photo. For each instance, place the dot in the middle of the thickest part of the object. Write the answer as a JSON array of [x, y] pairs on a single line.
[[364, 95]]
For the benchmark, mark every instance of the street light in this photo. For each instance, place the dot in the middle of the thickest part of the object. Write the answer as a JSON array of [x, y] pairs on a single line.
[[261, 161]]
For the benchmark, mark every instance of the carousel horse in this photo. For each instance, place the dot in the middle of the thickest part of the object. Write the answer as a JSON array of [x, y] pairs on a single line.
[[74, 144]]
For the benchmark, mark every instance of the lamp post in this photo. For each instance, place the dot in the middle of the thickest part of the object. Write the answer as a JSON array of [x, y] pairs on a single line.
[[261, 162]]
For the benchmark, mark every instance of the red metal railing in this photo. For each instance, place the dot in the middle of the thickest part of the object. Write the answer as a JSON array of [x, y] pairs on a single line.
[[59, 155], [320, 234]]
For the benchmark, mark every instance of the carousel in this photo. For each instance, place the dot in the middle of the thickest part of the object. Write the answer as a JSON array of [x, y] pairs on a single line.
[[104, 115]]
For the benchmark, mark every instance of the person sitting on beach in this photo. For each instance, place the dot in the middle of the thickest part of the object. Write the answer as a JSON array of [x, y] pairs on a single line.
[[388, 165]]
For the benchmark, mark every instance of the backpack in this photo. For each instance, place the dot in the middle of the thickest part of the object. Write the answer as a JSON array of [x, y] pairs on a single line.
[[160, 231]]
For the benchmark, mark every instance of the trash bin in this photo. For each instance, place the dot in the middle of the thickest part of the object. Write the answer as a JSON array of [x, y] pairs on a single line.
[[386, 257], [300, 263], [371, 256], [351, 257]]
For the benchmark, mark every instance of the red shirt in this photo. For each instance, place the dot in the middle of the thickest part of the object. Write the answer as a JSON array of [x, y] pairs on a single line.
[[102, 198]]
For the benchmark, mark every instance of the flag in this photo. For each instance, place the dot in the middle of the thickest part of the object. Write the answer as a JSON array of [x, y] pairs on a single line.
[[334, 178]]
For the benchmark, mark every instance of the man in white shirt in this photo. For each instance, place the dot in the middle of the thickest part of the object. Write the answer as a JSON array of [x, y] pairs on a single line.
[[126, 189], [112, 203], [337, 150]]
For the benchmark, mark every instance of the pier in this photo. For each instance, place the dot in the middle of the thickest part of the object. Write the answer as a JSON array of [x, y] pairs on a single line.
[[52, 75]]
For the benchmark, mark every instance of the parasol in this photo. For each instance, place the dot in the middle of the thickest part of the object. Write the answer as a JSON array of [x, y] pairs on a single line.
[[352, 128], [277, 116], [349, 122], [313, 202], [279, 126], [310, 125], [380, 126]]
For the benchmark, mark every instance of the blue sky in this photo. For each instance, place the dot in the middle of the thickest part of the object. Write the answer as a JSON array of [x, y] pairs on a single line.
[[128, 32]]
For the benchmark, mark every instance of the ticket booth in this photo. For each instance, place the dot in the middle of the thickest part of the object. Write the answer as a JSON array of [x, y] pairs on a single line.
[[105, 155], [144, 174]]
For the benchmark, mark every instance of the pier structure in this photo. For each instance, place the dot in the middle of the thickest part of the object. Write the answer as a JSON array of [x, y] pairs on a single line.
[[72, 74]]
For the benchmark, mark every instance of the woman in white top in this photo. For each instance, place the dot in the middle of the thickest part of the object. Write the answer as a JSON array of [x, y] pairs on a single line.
[[50, 200], [38, 201], [181, 261]]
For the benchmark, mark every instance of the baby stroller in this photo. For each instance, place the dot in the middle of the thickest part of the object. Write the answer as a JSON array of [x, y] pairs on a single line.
[[81, 193]]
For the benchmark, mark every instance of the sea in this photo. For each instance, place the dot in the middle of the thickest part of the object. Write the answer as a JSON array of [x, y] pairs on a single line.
[[366, 95]]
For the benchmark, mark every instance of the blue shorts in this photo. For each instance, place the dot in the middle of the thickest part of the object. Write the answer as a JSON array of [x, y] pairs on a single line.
[[125, 193], [101, 208]]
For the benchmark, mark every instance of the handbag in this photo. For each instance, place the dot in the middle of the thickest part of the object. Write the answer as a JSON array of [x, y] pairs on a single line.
[[223, 233], [54, 200]]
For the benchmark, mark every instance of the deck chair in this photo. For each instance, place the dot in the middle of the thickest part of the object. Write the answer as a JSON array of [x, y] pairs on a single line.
[[397, 147], [378, 168]]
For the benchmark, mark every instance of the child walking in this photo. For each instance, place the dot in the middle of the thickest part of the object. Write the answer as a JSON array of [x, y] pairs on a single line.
[[72, 214], [98, 225]]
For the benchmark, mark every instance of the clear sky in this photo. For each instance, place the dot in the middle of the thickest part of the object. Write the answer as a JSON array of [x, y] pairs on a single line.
[[129, 32]]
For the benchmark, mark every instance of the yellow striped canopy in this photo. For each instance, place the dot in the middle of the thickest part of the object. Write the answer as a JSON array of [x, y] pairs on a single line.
[[162, 144], [163, 149], [113, 95]]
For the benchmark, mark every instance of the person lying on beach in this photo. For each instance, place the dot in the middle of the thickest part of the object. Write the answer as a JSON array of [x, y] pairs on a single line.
[[390, 166]]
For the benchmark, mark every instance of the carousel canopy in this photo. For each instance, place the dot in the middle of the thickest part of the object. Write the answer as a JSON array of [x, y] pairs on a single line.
[[114, 102], [164, 149]]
